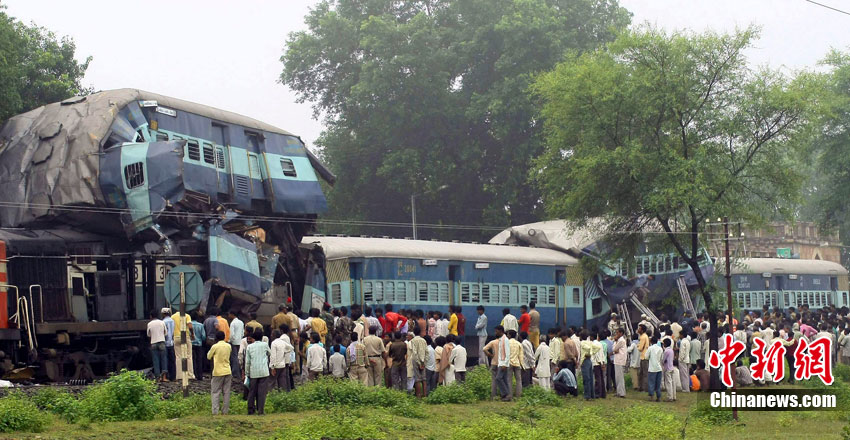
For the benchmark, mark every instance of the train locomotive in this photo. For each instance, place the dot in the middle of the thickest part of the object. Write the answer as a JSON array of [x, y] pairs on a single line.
[[104, 194]]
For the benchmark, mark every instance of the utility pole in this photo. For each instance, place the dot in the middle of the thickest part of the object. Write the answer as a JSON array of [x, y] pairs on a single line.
[[413, 214], [184, 340], [729, 291]]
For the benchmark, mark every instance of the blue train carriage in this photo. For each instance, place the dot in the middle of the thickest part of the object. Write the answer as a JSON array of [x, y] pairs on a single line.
[[657, 272], [784, 283], [431, 275]]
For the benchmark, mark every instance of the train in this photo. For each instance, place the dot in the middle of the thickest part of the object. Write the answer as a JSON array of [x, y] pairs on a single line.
[[106, 195]]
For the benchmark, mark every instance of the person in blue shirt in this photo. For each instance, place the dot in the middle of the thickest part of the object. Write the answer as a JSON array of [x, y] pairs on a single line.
[[169, 343], [199, 334], [565, 381]]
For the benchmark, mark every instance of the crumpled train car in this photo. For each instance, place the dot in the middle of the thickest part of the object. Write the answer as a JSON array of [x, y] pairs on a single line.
[[113, 189]]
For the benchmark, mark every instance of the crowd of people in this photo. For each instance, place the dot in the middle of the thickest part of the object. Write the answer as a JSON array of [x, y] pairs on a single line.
[[415, 351]]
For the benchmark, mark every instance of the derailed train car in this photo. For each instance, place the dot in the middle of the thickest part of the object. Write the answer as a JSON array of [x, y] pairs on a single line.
[[103, 194]]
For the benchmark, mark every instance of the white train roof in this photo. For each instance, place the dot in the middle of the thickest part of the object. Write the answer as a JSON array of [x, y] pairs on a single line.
[[364, 247], [784, 266]]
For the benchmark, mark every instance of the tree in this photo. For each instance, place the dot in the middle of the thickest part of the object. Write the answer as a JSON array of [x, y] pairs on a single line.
[[669, 130], [830, 153], [36, 68], [416, 95]]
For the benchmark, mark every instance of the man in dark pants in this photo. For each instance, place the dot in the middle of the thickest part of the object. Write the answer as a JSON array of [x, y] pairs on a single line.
[[199, 339]]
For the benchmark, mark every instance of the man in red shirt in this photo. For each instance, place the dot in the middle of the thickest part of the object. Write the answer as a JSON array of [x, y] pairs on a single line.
[[524, 319], [461, 325], [394, 320], [385, 325]]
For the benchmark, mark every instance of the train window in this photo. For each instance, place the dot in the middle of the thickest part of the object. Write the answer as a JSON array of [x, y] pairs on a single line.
[[336, 294], [433, 292], [624, 268], [464, 293], [219, 157], [787, 298], [254, 166], [209, 154], [638, 267], [389, 292], [444, 293], [811, 299], [668, 263], [833, 283], [576, 296], [647, 265], [767, 283], [161, 137], [844, 295], [596, 306], [552, 297], [506, 293], [288, 168], [523, 295], [368, 296], [134, 175], [485, 293], [475, 290], [193, 149], [77, 286], [423, 292], [253, 141], [379, 291]]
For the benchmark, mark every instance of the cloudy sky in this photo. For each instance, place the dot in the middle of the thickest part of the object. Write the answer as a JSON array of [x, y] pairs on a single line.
[[226, 54]]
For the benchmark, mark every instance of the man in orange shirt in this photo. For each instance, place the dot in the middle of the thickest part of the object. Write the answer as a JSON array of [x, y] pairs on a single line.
[[524, 319]]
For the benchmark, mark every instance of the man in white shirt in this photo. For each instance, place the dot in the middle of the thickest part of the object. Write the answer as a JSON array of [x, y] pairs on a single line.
[[337, 364], [653, 355], [543, 372], [157, 333], [620, 356], [279, 359], [237, 332], [634, 363], [684, 360], [509, 321], [527, 360], [317, 360], [503, 354], [481, 332], [458, 359]]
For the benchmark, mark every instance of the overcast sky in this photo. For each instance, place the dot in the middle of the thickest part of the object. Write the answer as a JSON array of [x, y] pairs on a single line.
[[226, 54]]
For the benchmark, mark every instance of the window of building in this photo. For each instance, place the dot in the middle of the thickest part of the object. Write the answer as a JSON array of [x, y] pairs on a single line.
[[288, 168], [193, 149], [134, 175], [209, 154]]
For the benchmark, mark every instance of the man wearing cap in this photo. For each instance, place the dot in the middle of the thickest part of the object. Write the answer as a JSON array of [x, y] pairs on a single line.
[[613, 324], [650, 329]]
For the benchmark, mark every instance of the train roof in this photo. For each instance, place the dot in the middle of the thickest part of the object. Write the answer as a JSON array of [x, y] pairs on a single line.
[[785, 266], [49, 156], [364, 247]]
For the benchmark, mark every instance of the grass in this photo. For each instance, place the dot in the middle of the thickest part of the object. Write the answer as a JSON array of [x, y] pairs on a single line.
[[438, 420]]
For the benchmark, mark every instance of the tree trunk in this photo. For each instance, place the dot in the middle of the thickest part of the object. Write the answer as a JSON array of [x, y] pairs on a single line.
[[714, 373]]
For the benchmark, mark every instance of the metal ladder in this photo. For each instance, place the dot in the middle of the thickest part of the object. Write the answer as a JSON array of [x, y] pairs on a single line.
[[645, 310], [686, 296], [623, 311]]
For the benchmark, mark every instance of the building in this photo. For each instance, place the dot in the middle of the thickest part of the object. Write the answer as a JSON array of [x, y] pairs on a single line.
[[802, 240]]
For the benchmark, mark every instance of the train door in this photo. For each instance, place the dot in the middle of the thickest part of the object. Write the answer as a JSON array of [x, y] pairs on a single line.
[[454, 282], [111, 298], [241, 180], [355, 270], [79, 298], [561, 300]]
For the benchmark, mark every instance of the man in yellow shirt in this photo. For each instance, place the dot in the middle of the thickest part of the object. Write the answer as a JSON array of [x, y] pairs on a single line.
[[643, 345], [221, 375], [318, 325], [453, 321], [183, 349], [280, 318], [516, 362]]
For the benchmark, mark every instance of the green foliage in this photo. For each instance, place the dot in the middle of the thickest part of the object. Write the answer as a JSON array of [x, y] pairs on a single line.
[[536, 397], [329, 393], [335, 425], [454, 393], [18, 413], [842, 373], [711, 415], [478, 380], [177, 406], [36, 68], [667, 130], [58, 402], [494, 428], [124, 396], [417, 95]]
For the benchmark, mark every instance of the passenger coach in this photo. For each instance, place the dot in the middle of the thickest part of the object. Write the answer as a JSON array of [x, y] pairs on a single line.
[[431, 275], [784, 283]]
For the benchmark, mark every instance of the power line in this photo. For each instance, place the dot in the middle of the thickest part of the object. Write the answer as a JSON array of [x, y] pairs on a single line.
[[828, 7]]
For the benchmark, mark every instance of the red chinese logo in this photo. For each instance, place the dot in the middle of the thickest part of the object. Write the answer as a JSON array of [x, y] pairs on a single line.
[[768, 359], [727, 358], [813, 359]]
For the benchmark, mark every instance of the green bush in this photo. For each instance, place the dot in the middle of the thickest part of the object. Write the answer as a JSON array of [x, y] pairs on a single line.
[[711, 415], [842, 373], [454, 393], [478, 381], [18, 413], [327, 393], [178, 406], [497, 428], [335, 425], [282, 402], [536, 396], [58, 402], [124, 396]]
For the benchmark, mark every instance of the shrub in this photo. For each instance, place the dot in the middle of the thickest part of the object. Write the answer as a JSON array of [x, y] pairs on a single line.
[[17, 413], [711, 415], [178, 406], [478, 381], [124, 396], [537, 396], [58, 402], [498, 428], [454, 393], [842, 373], [282, 401], [334, 425]]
